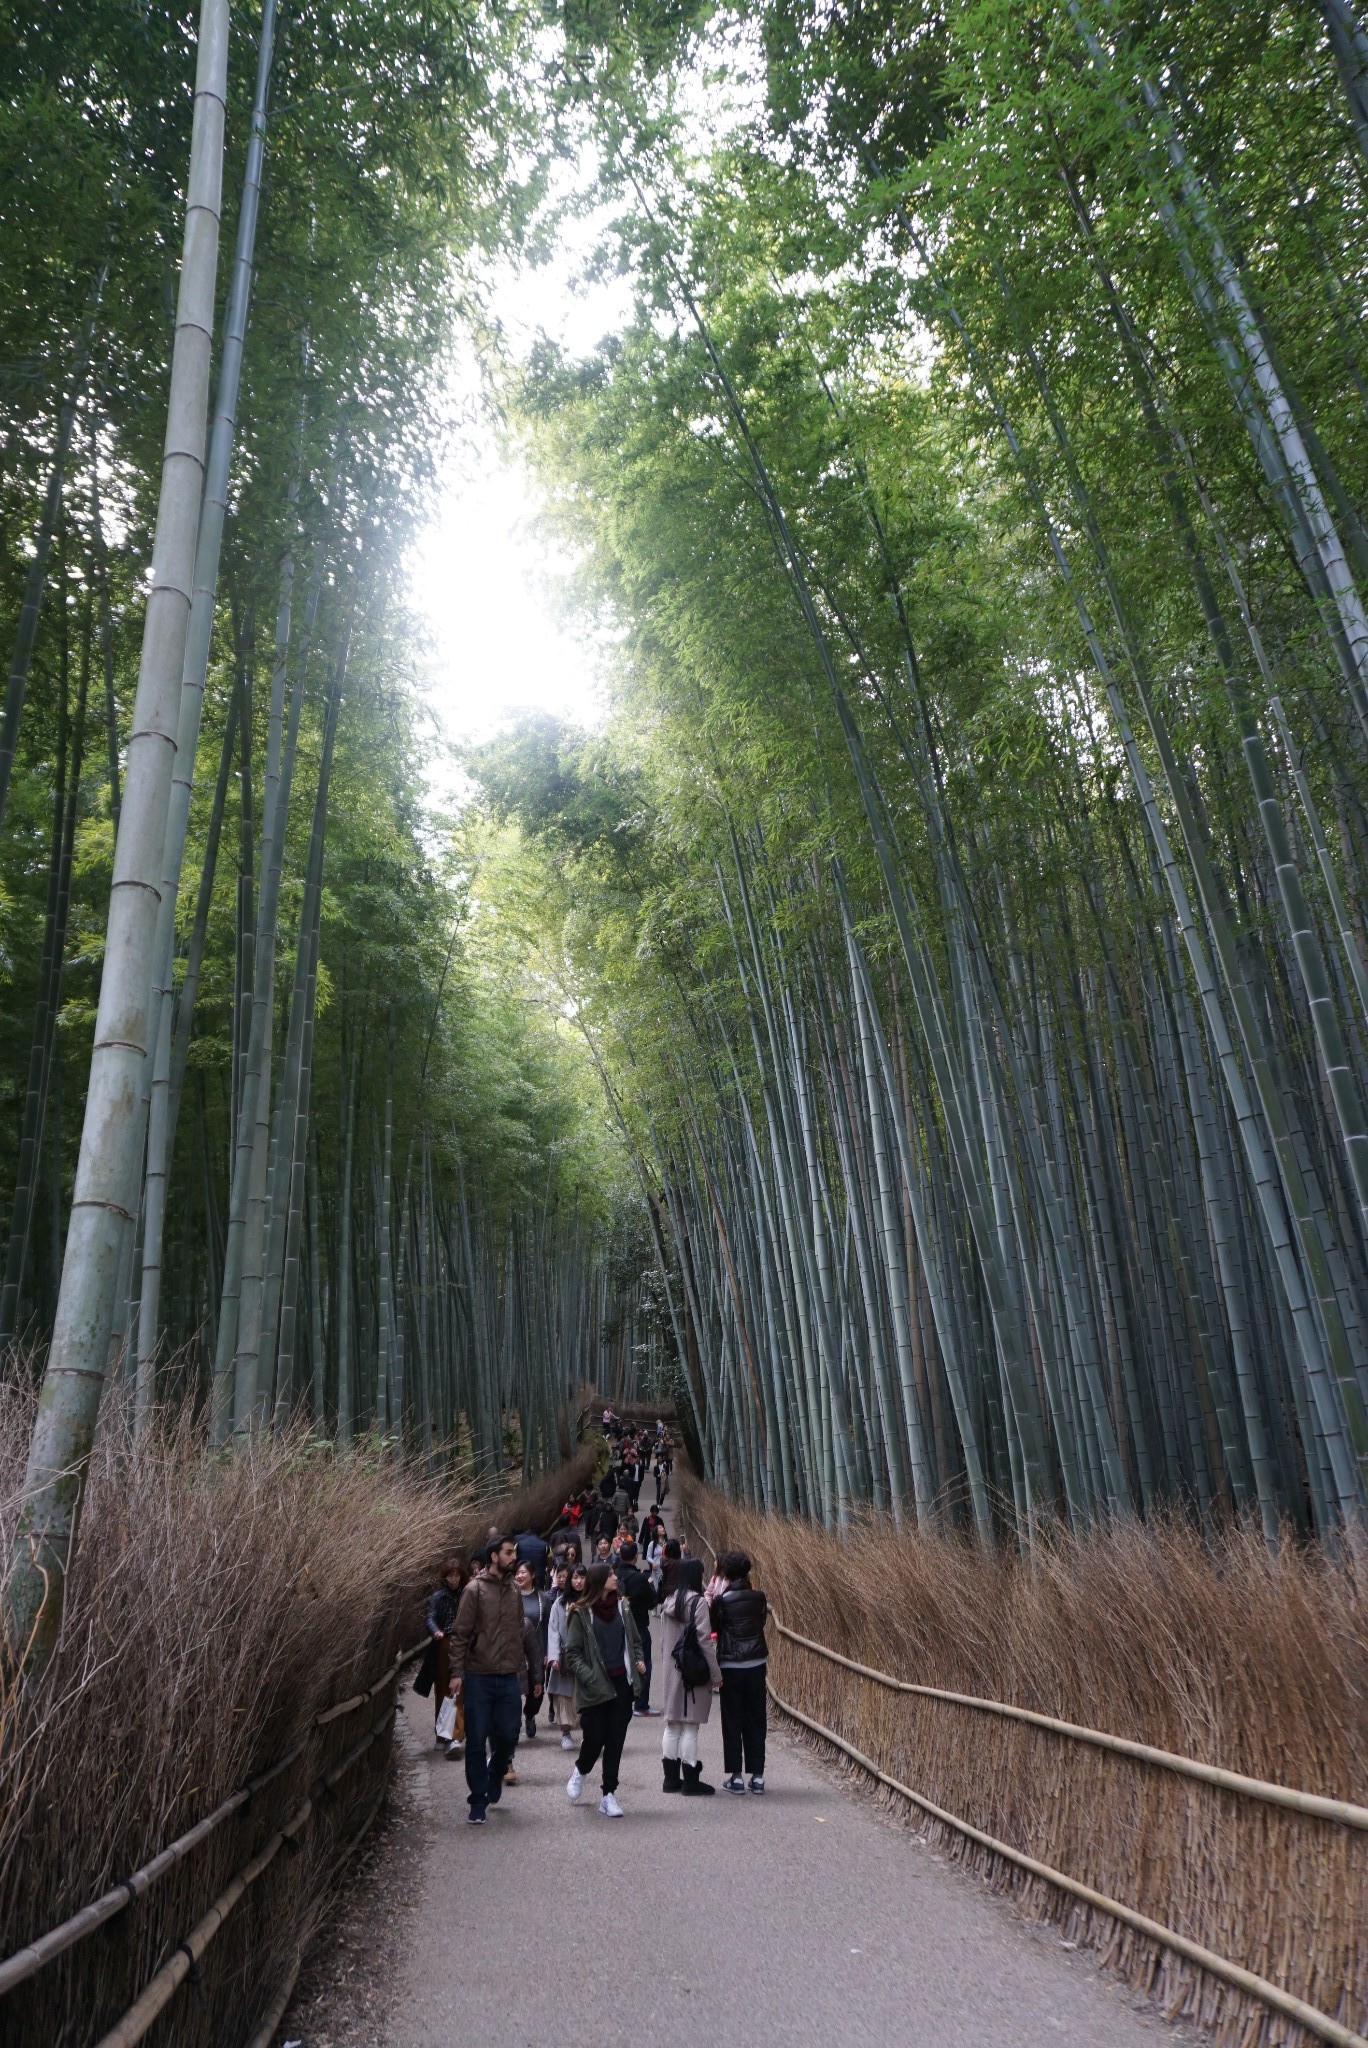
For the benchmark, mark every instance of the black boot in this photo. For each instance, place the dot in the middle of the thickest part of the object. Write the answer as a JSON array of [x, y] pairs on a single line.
[[694, 1788], [672, 1784]]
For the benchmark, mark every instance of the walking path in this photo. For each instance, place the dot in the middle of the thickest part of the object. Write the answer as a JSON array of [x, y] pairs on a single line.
[[802, 1919]]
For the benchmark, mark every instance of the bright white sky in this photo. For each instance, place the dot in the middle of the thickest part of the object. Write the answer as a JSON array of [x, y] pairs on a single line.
[[481, 577]]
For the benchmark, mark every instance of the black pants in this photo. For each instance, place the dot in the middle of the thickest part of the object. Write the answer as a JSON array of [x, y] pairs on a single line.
[[743, 1721], [605, 1731], [531, 1701]]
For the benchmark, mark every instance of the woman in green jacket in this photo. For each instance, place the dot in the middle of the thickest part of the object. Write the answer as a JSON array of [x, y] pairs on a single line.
[[602, 1653]]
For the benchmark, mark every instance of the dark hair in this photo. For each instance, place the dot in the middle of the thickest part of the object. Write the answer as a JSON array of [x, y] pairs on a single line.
[[734, 1564], [496, 1542], [672, 1548], [690, 1576], [628, 1551], [596, 1578]]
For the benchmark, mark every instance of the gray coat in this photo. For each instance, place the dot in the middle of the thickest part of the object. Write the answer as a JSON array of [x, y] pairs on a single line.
[[558, 1681], [674, 1619]]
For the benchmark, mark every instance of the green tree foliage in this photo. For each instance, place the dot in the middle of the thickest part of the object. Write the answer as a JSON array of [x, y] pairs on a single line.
[[440, 1189], [973, 502]]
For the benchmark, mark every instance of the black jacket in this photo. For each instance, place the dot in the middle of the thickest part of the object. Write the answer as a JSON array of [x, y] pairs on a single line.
[[738, 1619], [640, 1596], [441, 1610]]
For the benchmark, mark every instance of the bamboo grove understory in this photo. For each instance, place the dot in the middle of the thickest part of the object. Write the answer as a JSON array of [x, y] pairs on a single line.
[[330, 1153], [926, 1026], [986, 809]]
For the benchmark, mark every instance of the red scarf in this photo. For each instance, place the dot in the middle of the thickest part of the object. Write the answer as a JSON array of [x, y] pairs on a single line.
[[606, 1606]]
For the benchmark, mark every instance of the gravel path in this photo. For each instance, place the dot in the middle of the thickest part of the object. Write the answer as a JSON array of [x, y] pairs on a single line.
[[803, 1918]]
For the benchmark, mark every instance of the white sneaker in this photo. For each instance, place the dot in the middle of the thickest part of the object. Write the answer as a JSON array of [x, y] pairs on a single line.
[[574, 1785], [567, 1742], [608, 1804]]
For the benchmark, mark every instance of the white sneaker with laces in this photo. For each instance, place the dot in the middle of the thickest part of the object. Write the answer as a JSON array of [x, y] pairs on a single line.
[[575, 1784], [567, 1742], [608, 1804]]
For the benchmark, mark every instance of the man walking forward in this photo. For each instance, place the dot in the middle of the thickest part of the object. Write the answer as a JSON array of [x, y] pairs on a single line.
[[487, 1661]]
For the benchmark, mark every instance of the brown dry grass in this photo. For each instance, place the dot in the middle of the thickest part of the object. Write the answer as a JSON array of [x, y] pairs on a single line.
[[215, 1607], [1217, 1650]]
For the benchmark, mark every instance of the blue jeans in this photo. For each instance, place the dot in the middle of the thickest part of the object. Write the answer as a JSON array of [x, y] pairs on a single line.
[[493, 1717]]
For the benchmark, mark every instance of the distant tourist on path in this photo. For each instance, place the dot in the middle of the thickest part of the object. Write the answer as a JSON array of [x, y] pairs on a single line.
[[488, 1660], [687, 1707], [603, 1656], [739, 1612]]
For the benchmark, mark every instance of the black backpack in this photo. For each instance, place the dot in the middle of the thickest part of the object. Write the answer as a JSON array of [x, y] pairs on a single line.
[[689, 1660]]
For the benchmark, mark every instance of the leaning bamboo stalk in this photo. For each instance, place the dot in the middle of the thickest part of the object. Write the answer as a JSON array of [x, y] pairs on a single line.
[[199, 633], [106, 1190]]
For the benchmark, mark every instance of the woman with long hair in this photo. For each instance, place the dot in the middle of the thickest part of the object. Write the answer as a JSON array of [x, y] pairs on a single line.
[[434, 1673], [560, 1685], [603, 1656], [684, 1620]]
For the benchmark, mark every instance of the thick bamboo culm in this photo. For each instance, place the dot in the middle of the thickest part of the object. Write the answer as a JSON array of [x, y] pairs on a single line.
[[1202, 1658], [1318, 2023]]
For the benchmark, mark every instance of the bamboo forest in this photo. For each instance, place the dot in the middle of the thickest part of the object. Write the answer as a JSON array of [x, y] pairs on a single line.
[[683, 799], [921, 1027]]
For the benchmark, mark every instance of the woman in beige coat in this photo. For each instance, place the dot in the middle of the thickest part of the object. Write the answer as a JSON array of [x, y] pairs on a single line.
[[686, 1708]]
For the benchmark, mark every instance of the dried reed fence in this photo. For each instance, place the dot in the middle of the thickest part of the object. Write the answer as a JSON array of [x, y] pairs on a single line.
[[217, 1609], [1216, 1650]]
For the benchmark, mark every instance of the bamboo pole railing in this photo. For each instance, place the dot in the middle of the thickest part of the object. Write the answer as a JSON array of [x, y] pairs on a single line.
[[1309, 2016], [1344, 1812], [35, 1955]]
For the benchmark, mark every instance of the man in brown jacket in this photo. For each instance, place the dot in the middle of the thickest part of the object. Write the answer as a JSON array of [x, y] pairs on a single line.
[[487, 1662]]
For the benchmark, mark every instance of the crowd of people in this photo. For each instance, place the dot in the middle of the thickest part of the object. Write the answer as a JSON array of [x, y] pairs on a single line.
[[565, 1624]]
